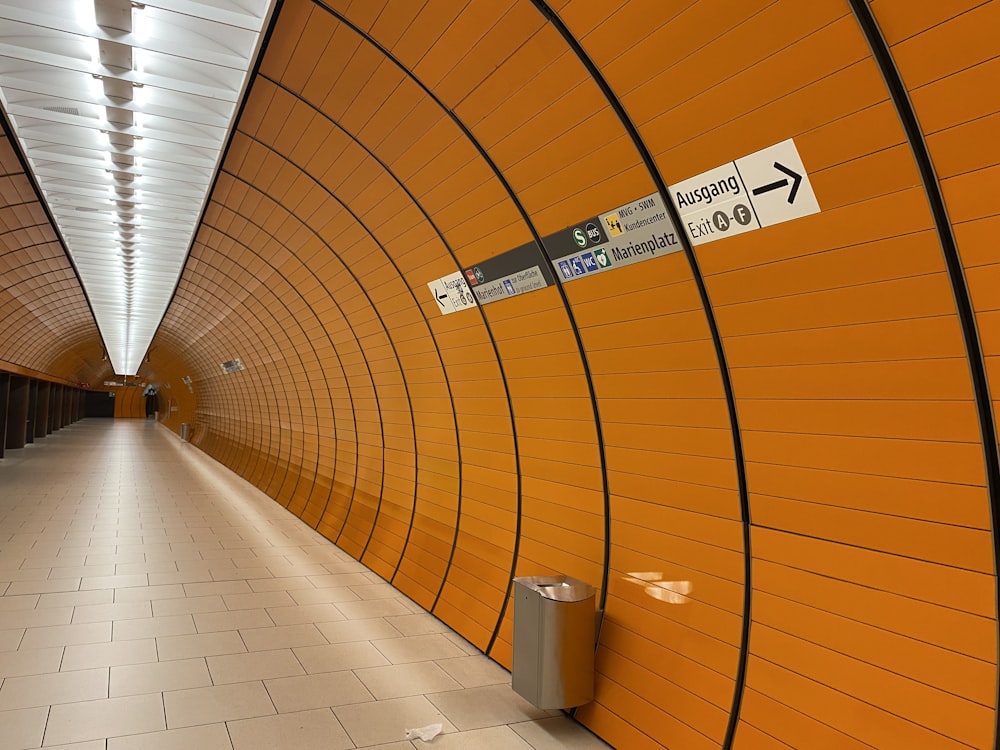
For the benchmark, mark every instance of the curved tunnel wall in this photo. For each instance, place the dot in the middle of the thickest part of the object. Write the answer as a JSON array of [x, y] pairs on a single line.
[[46, 326], [770, 453]]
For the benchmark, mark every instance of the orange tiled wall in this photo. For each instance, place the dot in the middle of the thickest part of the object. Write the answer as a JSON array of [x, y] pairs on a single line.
[[767, 453]]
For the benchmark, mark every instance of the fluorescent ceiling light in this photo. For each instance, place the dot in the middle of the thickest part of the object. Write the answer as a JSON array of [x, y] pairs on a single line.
[[122, 109]]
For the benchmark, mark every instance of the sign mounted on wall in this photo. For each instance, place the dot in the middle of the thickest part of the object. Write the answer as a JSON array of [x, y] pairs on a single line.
[[765, 188], [523, 269], [637, 231], [451, 293]]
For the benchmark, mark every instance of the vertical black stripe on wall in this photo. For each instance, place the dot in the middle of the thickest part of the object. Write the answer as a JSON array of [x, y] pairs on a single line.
[[727, 384], [953, 261], [571, 318]]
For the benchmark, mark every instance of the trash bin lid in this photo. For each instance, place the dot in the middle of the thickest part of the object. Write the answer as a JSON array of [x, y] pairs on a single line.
[[558, 588]]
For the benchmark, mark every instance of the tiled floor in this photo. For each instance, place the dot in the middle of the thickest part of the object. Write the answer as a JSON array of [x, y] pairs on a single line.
[[154, 600]]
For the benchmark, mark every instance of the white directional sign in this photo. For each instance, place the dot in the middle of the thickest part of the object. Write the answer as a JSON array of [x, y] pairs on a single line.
[[452, 293], [764, 188]]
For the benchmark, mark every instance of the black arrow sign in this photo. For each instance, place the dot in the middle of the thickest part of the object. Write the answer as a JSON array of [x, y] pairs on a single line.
[[796, 181], [441, 297]]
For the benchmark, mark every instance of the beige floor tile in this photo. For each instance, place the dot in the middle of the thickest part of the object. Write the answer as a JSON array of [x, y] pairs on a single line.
[[22, 729], [82, 571], [66, 635], [112, 717], [111, 654], [419, 624], [258, 601], [339, 656], [17, 603], [343, 565], [475, 671], [306, 730], [217, 588], [149, 593], [213, 622], [316, 691], [11, 639], [387, 721], [285, 636], [334, 580], [159, 677], [259, 665], [77, 598], [323, 596], [35, 618], [206, 737], [118, 559], [125, 569], [201, 644], [208, 705], [180, 576], [417, 648], [289, 583], [304, 613], [49, 689], [188, 606], [359, 610], [491, 738], [109, 612], [91, 745], [113, 582], [357, 630], [375, 591], [557, 733], [26, 574], [475, 708], [153, 627], [284, 569], [400, 680], [250, 575], [43, 587], [463, 645]]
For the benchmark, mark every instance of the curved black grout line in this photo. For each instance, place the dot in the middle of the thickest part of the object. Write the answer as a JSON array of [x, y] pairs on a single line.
[[688, 248], [956, 274], [231, 393], [571, 318], [228, 391], [333, 345], [378, 315], [489, 331]]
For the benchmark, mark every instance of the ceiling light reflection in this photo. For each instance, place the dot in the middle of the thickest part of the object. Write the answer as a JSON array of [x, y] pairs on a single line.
[[101, 128], [653, 585]]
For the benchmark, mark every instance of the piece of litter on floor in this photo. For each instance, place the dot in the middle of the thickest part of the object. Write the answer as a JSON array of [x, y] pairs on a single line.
[[426, 734]]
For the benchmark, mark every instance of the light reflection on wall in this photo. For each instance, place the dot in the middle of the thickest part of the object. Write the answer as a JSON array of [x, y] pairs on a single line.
[[671, 592]]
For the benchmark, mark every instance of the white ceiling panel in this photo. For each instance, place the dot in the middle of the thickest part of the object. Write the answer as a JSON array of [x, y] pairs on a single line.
[[122, 109]]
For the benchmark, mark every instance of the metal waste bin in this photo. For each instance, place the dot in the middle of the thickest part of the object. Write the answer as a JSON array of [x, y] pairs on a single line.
[[553, 641], [185, 432]]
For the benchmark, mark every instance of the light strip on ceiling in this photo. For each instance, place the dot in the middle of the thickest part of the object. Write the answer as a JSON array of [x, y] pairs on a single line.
[[122, 110]]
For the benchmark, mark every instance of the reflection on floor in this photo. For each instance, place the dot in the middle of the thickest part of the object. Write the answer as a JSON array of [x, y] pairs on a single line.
[[153, 600]]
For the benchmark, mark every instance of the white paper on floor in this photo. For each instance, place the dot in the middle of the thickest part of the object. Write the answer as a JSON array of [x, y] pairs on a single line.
[[426, 734]]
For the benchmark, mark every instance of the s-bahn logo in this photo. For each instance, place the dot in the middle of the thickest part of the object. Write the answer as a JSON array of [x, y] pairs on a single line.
[[588, 235]]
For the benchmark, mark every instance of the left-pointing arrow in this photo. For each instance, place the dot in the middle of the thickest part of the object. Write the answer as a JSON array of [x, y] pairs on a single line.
[[796, 181]]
